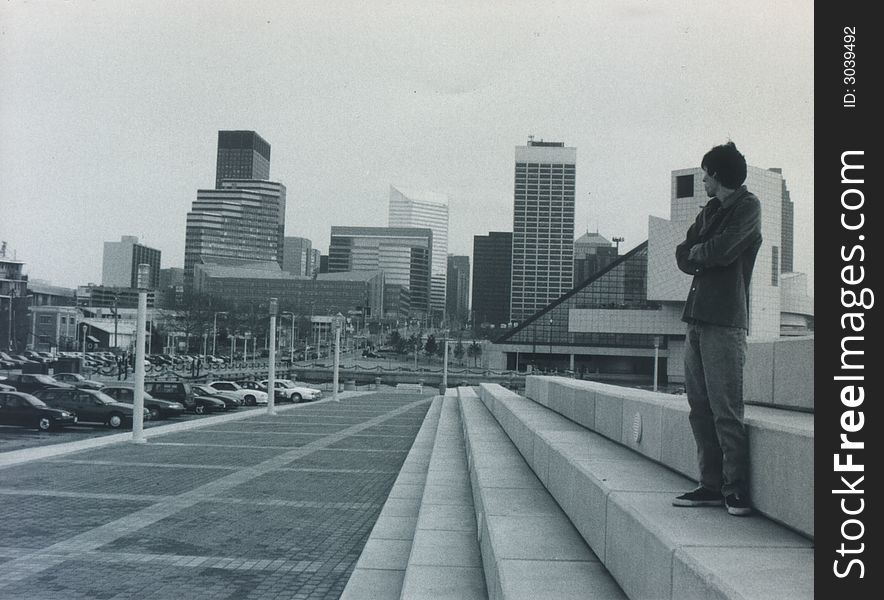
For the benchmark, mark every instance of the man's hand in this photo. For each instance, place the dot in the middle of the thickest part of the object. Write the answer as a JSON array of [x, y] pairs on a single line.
[[694, 253]]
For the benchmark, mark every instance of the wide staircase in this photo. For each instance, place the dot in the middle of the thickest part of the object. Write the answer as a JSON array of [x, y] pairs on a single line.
[[566, 492]]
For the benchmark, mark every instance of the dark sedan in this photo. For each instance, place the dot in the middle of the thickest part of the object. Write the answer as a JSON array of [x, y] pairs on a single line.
[[28, 383], [17, 408], [90, 406], [231, 402], [77, 380], [159, 409]]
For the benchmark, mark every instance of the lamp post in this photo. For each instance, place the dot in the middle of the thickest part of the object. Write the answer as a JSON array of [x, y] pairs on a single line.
[[138, 400], [292, 339], [215, 331], [445, 369], [550, 341], [83, 367], [271, 368], [338, 324], [656, 358]]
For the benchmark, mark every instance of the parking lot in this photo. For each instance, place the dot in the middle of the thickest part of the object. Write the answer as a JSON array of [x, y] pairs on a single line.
[[266, 506]]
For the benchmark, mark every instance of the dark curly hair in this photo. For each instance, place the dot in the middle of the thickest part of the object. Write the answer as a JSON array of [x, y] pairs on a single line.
[[726, 164]]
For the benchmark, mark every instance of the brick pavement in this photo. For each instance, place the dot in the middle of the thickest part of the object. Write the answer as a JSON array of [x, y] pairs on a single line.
[[266, 507]]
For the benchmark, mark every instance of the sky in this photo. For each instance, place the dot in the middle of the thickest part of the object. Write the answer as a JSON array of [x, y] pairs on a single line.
[[109, 111]]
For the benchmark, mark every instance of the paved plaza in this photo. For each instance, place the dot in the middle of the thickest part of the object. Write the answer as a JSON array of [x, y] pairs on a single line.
[[260, 507]]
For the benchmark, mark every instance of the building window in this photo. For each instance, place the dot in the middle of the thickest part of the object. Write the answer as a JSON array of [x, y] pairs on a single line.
[[45, 320], [684, 186], [774, 266]]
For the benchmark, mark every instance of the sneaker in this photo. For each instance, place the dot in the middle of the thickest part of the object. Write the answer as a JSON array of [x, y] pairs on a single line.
[[699, 497], [737, 505]]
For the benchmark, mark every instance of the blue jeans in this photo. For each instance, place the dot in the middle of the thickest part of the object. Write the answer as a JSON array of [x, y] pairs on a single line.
[[713, 360]]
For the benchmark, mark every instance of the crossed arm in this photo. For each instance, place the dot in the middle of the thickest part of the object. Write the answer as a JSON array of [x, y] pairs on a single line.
[[722, 248]]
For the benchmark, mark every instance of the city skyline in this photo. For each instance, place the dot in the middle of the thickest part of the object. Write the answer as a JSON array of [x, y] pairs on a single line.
[[125, 135]]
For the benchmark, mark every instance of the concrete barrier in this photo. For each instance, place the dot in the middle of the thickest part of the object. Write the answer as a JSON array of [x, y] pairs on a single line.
[[781, 476], [620, 502]]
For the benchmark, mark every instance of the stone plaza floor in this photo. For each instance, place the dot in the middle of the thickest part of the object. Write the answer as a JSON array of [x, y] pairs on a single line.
[[263, 507]]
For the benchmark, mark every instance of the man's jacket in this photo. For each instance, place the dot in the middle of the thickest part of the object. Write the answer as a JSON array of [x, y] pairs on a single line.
[[727, 240]]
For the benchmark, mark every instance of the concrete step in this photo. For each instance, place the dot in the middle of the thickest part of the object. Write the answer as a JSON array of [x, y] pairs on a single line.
[[380, 570], [656, 425], [530, 550], [445, 561], [620, 502]]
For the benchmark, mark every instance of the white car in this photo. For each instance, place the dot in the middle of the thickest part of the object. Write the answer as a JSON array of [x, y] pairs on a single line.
[[289, 390], [248, 397]]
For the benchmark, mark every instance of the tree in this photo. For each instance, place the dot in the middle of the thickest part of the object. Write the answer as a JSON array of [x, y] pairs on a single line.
[[474, 352], [430, 345], [394, 339], [459, 350]]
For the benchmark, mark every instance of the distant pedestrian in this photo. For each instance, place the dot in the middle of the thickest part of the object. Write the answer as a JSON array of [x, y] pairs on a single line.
[[719, 250], [120, 363]]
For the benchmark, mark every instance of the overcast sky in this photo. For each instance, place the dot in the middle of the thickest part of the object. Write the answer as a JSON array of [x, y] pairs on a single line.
[[109, 111]]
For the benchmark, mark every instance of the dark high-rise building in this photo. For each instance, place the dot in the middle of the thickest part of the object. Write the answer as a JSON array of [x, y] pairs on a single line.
[[492, 265], [592, 253], [297, 256], [543, 226], [243, 220], [402, 253], [457, 303], [242, 155]]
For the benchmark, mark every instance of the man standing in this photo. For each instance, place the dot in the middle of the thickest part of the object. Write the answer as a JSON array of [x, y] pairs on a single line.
[[719, 250]]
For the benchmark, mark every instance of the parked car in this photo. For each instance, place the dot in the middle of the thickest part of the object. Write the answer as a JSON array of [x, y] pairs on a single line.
[[159, 409], [286, 389], [91, 406], [77, 380], [18, 408], [30, 383], [249, 397], [182, 392], [231, 401], [36, 357], [6, 387], [248, 384]]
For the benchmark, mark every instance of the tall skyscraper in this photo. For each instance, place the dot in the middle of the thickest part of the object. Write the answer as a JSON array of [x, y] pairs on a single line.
[[315, 262], [242, 155], [242, 220], [402, 253], [492, 268], [543, 226], [297, 256], [119, 266], [410, 208], [457, 305]]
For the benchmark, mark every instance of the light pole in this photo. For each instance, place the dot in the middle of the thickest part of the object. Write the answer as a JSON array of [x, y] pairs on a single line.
[[138, 400], [292, 339], [215, 331], [338, 323], [83, 358], [656, 358], [271, 368], [445, 369]]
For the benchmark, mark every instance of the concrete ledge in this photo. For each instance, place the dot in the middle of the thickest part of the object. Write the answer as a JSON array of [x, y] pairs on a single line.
[[380, 570], [656, 425], [780, 373], [445, 561], [529, 547], [620, 502]]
